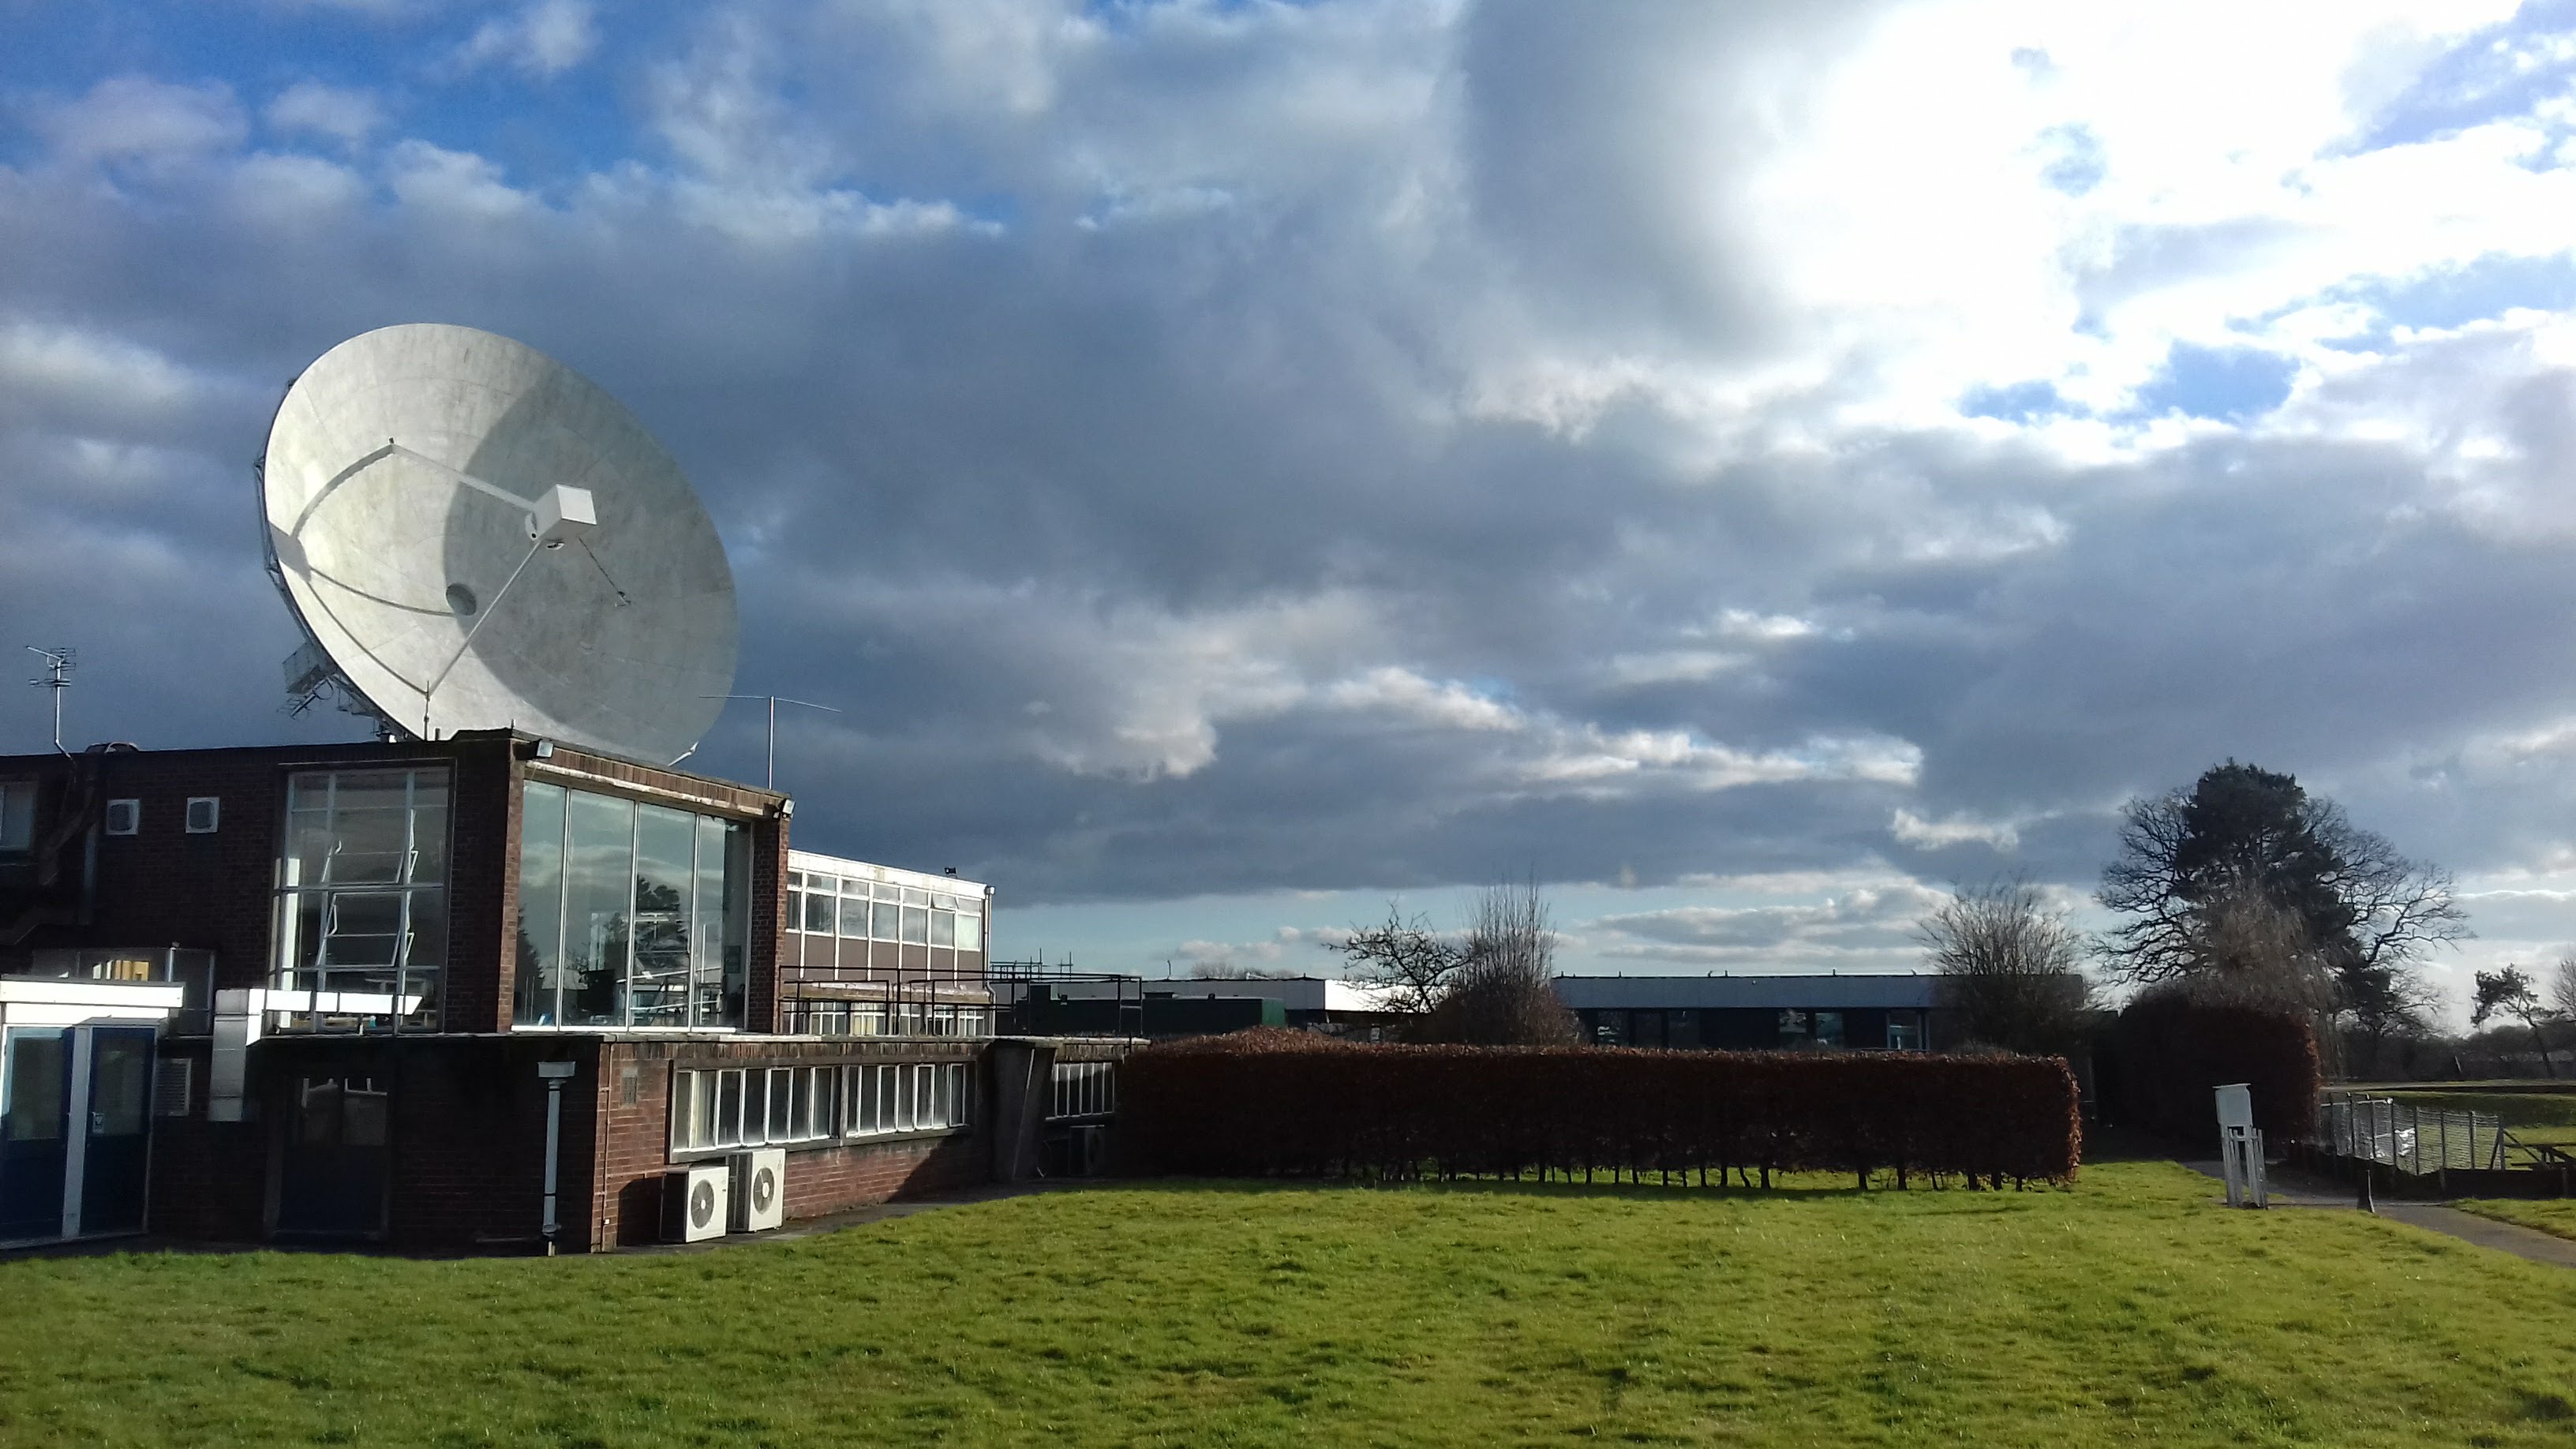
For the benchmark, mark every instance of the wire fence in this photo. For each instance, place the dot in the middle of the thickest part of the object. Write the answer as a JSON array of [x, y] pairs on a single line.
[[2412, 1139]]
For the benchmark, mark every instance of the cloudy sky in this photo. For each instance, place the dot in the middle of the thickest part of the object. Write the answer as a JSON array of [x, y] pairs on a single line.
[[1747, 466]]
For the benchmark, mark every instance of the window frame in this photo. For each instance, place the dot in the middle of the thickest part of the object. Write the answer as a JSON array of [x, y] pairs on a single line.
[[420, 903], [715, 931]]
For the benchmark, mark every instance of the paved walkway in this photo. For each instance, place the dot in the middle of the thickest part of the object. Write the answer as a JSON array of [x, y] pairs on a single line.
[[2290, 1188]]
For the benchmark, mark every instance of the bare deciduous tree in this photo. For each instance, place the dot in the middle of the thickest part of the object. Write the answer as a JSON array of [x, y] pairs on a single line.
[[2562, 984], [2010, 967], [1410, 962], [1504, 993]]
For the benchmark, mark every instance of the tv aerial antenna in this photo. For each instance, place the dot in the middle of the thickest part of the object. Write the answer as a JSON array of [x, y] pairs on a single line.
[[775, 700], [57, 678], [474, 536]]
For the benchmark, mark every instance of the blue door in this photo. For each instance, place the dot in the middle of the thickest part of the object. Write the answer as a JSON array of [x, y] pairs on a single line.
[[35, 1136], [116, 1147]]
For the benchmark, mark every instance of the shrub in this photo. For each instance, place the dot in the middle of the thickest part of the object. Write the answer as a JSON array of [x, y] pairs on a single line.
[[1259, 1105], [2173, 1051]]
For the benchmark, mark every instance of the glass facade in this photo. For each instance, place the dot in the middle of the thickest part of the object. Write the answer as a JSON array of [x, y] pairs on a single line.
[[630, 915], [362, 895]]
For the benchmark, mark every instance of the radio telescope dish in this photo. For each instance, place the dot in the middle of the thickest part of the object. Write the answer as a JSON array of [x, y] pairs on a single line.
[[477, 537]]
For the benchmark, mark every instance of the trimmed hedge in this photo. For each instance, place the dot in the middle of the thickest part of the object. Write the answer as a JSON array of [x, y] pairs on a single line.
[[2174, 1051], [1293, 1104]]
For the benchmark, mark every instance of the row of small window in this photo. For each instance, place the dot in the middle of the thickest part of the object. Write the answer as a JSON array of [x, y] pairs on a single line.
[[889, 913], [1085, 1089], [1683, 1027], [881, 1018], [771, 1106]]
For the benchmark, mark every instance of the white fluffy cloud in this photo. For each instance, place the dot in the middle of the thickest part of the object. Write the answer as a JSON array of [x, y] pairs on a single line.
[[542, 41], [1381, 445]]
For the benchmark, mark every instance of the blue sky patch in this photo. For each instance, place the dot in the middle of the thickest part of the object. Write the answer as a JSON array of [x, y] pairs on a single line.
[[2020, 402], [2228, 385], [2504, 71]]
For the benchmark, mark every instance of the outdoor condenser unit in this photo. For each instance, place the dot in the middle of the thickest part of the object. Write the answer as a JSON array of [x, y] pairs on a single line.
[[694, 1202], [759, 1189], [1090, 1151]]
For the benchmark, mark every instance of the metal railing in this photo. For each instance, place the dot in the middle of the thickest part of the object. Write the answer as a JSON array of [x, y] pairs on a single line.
[[886, 1001], [2412, 1139]]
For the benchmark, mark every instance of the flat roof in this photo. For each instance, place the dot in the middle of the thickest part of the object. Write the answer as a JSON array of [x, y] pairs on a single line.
[[816, 862]]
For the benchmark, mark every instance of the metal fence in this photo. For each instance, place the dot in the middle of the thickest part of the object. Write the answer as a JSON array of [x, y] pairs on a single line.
[[2411, 1139]]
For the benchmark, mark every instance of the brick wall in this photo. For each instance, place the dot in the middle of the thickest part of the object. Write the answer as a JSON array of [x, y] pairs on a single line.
[[634, 1125], [162, 886], [465, 1152]]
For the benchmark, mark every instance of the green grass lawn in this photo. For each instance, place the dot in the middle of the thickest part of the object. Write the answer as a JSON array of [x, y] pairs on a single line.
[[2125, 1310], [2550, 1216]]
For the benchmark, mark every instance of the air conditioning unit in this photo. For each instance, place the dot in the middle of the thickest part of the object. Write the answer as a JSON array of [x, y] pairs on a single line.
[[759, 1189], [694, 1202], [1090, 1152]]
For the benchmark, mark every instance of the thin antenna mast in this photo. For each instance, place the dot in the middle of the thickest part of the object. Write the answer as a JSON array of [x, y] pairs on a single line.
[[775, 700], [59, 664]]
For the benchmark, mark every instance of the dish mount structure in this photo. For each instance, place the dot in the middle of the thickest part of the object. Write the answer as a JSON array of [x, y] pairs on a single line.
[[474, 536]]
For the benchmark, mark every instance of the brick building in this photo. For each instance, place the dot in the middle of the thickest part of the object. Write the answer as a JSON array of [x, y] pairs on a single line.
[[479, 993]]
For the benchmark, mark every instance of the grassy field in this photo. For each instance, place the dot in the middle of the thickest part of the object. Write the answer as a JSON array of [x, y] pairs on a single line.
[[2124, 1310], [2550, 1216]]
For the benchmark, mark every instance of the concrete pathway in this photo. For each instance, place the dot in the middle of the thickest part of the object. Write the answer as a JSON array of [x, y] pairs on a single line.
[[2290, 1188]]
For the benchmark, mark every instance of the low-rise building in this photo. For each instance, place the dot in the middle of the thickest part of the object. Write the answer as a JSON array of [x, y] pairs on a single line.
[[1879, 1012], [480, 992]]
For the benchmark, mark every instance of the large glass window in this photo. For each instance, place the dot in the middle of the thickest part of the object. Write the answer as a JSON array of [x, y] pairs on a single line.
[[629, 915], [362, 898], [17, 816]]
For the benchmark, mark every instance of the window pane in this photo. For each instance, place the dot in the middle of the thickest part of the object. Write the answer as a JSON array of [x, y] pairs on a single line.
[[684, 1110], [728, 1109], [796, 910], [782, 1104], [854, 917], [36, 1076], [658, 984], [735, 891], [957, 1103], [707, 943], [599, 859], [428, 864], [943, 929], [541, 826], [970, 932], [888, 922], [818, 913], [916, 926], [363, 1115]]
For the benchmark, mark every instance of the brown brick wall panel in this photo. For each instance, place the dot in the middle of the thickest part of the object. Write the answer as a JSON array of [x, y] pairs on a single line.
[[634, 1137]]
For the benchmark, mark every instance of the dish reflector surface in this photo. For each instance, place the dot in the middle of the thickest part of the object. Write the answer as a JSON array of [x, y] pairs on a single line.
[[479, 538]]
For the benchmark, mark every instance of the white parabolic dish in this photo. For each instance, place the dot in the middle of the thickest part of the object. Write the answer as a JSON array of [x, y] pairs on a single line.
[[481, 538]]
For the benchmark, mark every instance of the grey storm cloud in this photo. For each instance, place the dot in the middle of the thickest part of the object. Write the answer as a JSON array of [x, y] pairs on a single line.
[[1211, 450]]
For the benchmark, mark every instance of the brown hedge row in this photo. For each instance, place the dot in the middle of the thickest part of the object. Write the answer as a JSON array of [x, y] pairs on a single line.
[[1293, 1104], [2173, 1051]]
